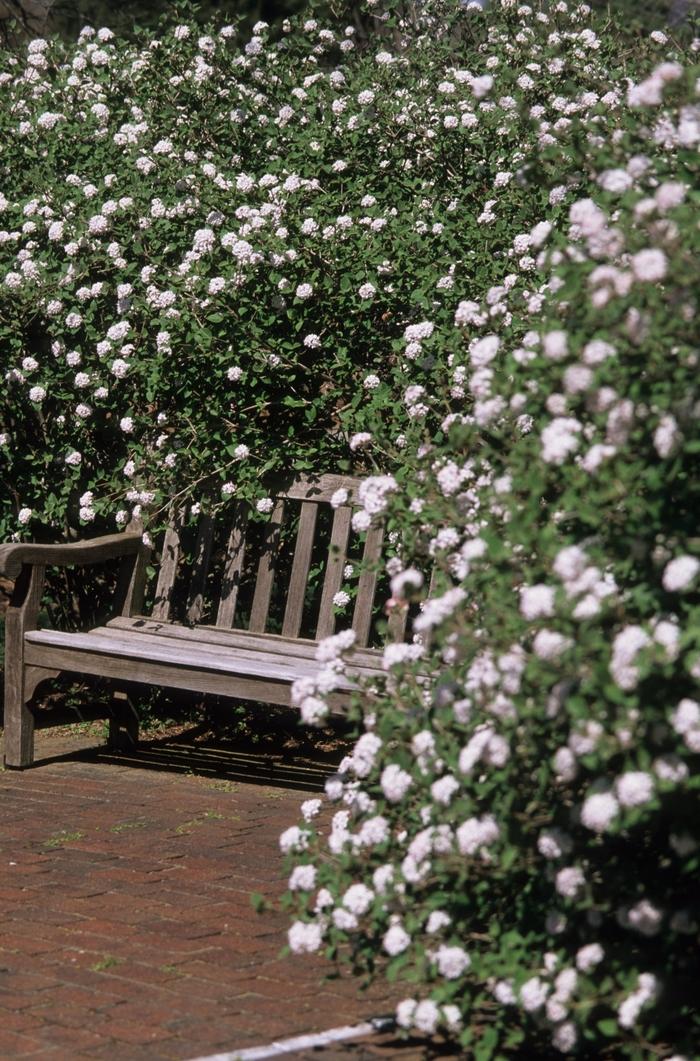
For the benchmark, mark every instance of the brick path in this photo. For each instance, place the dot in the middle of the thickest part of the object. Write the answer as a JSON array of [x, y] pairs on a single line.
[[127, 928]]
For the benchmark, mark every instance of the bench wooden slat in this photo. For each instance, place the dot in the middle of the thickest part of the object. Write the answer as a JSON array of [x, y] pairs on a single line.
[[161, 650], [334, 571], [172, 548], [319, 489], [263, 659], [233, 565], [367, 658], [398, 619], [202, 554], [266, 570], [367, 584], [296, 591], [428, 635], [260, 652]]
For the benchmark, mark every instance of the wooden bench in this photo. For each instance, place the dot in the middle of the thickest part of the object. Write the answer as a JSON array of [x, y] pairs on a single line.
[[199, 634]]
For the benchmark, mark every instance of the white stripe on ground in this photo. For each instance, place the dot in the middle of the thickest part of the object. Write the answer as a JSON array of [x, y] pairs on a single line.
[[305, 1042]]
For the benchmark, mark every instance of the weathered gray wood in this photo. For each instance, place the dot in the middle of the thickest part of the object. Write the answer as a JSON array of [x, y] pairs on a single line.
[[369, 658], [233, 566], [259, 652], [195, 599], [131, 584], [205, 675], [428, 635], [123, 722], [266, 570], [334, 571], [680, 9], [320, 488], [170, 558], [25, 18], [260, 656], [33, 677], [398, 618], [21, 616], [296, 591], [367, 584], [96, 551], [140, 649], [170, 675]]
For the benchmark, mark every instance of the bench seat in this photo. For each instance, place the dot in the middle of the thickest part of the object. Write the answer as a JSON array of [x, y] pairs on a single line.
[[202, 659]]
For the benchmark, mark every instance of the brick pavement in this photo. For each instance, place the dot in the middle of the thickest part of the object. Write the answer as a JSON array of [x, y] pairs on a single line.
[[127, 928]]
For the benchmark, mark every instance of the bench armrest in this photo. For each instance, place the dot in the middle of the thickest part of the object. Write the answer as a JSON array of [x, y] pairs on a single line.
[[93, 551]]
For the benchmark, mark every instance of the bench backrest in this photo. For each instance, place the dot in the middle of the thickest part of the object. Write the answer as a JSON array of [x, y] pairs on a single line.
[[219, 566]]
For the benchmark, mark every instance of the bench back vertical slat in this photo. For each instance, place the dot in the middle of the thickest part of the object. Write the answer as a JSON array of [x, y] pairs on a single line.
[[300, 570], [172, 548], [367, 585], [266, 571], [202, 555], [428, 635], [334, 571], [398, 620], [233, 565]]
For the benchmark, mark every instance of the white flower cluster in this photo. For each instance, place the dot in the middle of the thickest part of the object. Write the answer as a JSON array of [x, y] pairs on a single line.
[[310, 693]]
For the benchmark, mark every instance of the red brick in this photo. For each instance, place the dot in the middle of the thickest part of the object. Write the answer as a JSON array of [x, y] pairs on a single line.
[[197, 972], [16, 980], [76, 1038], [14, 1044], [126, 1032], [13, 942], [22, 1021], [95, 926]]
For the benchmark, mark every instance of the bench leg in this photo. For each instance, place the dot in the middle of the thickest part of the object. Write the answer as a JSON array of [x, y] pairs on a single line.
[[19, 723], [123, 723], [21, 616]]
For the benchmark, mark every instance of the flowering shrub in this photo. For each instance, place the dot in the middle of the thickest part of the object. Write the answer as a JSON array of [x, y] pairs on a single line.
[[518, 832], [464, 257], [220, 257]]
